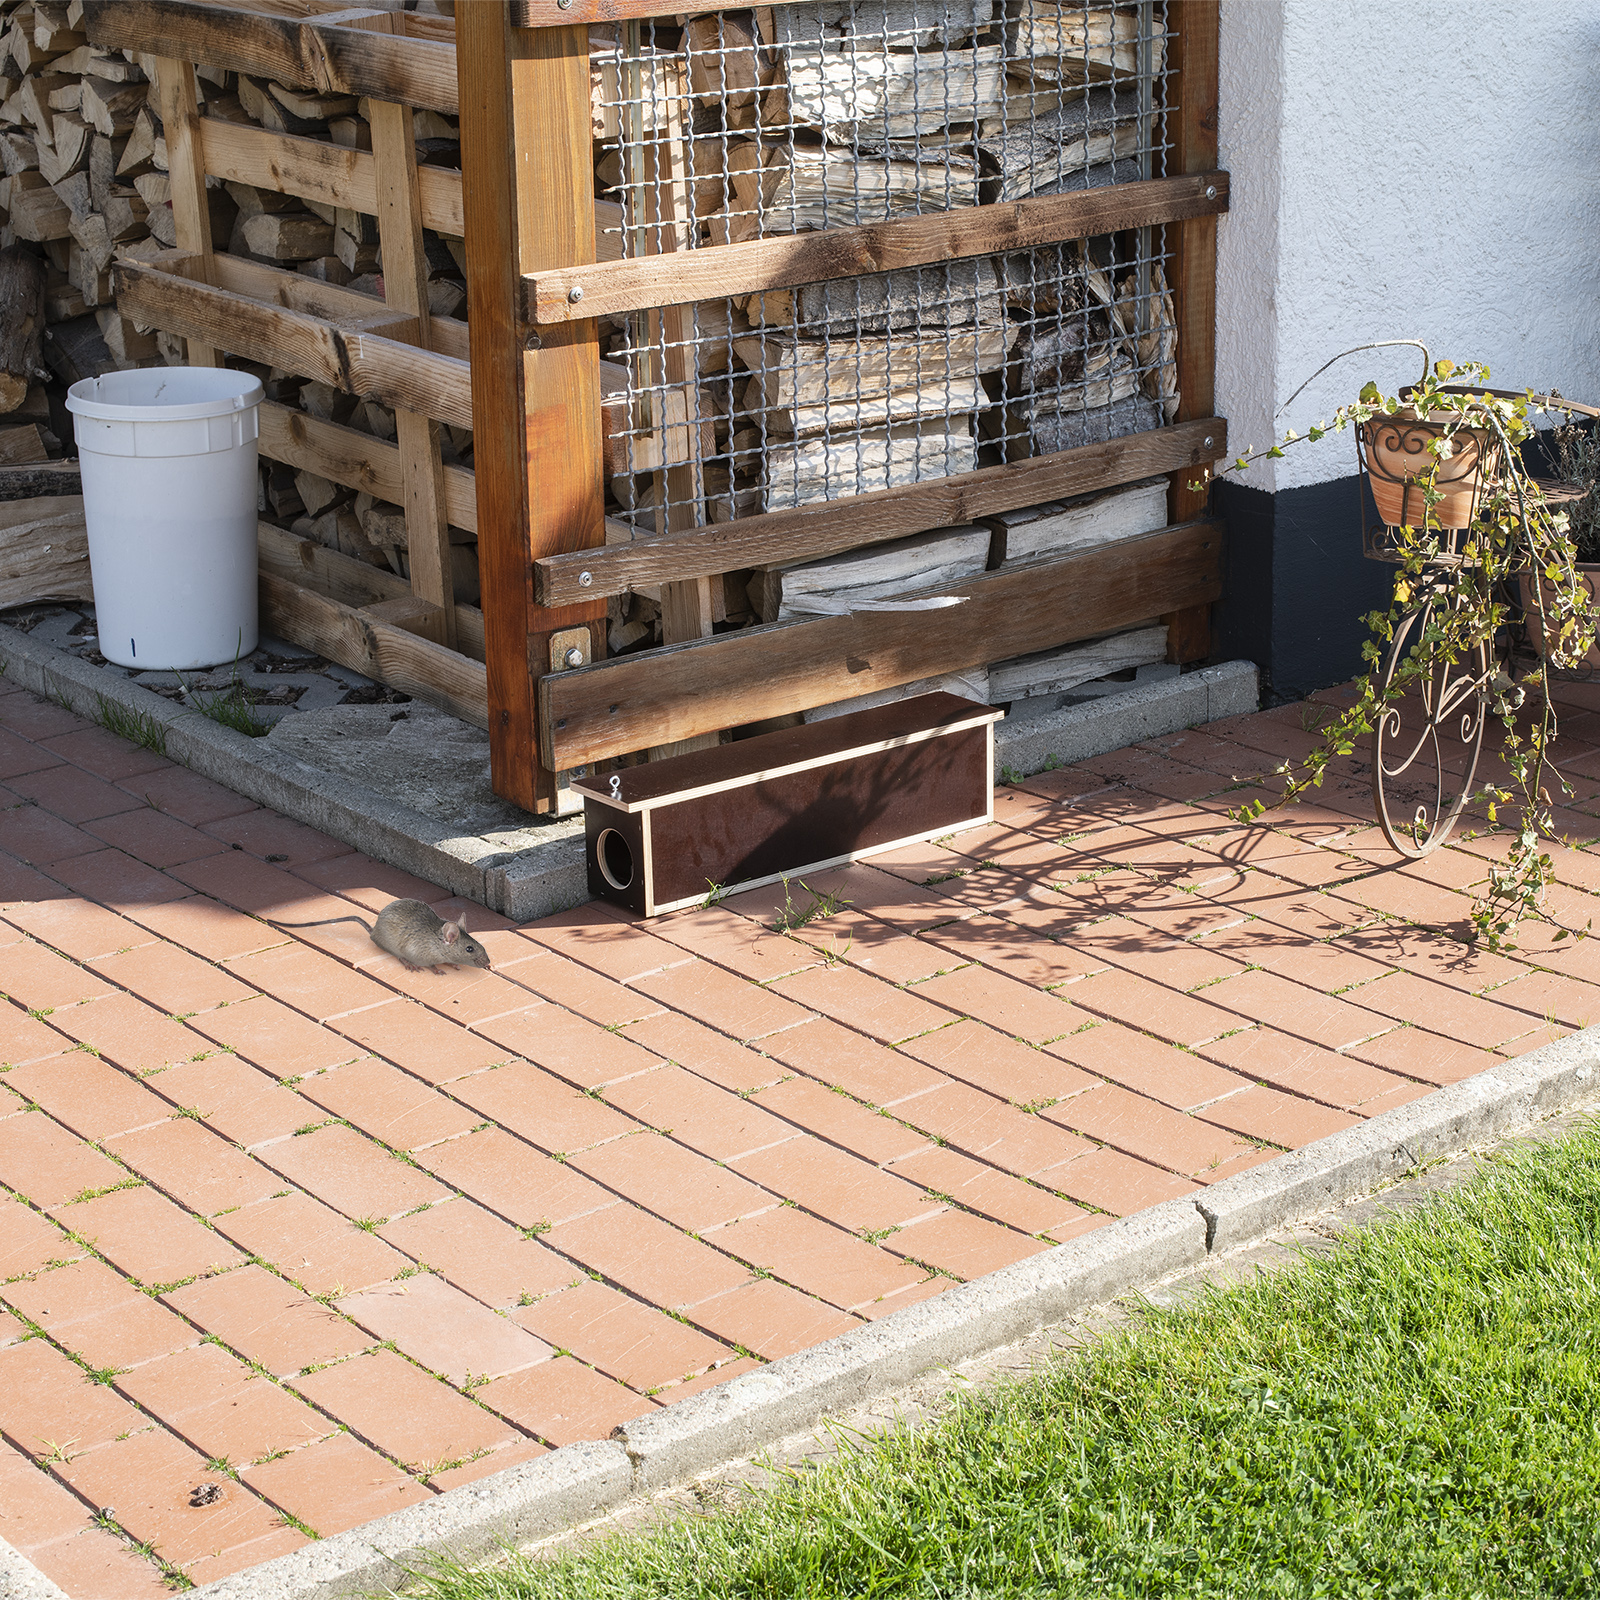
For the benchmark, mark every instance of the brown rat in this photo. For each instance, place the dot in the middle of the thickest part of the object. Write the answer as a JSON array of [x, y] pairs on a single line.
[[418, 936]]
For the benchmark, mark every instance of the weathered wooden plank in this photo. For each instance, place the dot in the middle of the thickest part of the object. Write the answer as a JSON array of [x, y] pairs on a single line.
[[681, 690], [356, 459], [177, 105], [311, 52], [405, 282], [315, 170], [329, 301], [614, 287], [550, 14], [403, 660], [1194, 276], [384, 66], [527, 165], [827, 528], [351, 582], [263, 46], [399, 375]]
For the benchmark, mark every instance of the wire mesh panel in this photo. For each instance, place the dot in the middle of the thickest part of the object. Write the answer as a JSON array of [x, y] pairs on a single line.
[[788, 119]]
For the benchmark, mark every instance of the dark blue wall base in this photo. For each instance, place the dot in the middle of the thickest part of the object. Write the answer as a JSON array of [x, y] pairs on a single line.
[[1296, 585]]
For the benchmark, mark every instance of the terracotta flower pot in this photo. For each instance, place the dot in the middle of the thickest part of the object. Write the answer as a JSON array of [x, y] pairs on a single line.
[[1398, 461], [1590, 573]]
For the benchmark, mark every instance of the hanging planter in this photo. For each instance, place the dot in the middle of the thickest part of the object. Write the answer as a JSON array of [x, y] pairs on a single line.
[[1404, 455]]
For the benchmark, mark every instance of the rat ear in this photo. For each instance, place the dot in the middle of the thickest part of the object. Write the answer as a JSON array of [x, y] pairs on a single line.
[[451, 931]]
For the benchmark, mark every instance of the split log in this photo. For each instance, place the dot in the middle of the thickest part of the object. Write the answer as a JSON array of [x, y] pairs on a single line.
[[111, 108], [37, 214], [40, 481], [1066, 430], [18, 152], [973, 684], [791, 373], [1057, 671], [898, 24], [1050, 530], [22, 324], [945, 555], [954, 397], [76, 350], [146, 146], [127, 345], [789, 188], [951, 294], [44, 551], [1061, 41], [1040, 155], [68, 150], [876, 458], [22, 444], [866, 94], [286, 236]]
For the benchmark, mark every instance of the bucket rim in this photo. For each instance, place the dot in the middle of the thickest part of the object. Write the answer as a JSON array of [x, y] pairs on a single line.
[[83, 401]]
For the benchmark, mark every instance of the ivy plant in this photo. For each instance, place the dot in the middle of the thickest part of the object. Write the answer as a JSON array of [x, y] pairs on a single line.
[[1515, 532]]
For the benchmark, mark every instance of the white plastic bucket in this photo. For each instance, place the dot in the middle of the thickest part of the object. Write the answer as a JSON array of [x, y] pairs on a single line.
[[168, 458]]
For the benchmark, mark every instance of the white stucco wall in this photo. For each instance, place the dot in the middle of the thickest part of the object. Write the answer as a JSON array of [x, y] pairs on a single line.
[[1358, 212]]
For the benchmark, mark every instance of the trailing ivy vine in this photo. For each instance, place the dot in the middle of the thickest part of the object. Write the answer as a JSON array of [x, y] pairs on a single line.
[[1515, 533]]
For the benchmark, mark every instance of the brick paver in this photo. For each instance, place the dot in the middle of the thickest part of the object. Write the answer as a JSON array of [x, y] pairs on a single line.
[[278, 1214]]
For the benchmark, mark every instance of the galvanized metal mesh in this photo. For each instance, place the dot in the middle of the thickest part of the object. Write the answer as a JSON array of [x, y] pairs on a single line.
[[794, 118]]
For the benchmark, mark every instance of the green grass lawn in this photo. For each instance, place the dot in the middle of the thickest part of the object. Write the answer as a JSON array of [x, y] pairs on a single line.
[[1415, 1414]]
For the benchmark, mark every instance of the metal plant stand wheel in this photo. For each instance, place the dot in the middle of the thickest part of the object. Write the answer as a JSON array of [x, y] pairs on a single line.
[[1426, 744]]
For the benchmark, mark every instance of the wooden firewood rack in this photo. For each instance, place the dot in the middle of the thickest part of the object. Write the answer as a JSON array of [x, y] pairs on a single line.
[[525, 373]]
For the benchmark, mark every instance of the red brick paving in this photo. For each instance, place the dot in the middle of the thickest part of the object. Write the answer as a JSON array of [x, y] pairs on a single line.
[[240, 1148]]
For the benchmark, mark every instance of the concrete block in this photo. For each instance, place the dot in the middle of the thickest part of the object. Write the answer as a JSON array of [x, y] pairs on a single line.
[[1144, 711], [751, 1413], [558, 1491], [1375, 1153]]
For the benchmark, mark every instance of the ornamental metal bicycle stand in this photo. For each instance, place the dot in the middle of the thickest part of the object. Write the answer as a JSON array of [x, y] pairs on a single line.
[[1428, 739]]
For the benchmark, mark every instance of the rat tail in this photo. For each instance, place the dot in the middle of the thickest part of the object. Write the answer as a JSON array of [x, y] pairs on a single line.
[[326, 922]]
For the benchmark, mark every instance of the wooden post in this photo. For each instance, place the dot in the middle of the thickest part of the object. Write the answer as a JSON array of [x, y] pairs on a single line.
[[528, 204], [405, 287], [1192, 128], [178, 106]]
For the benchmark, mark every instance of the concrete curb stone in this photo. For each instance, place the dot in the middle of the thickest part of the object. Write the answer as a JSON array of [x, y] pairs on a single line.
[[1372, 1154], [526, 1502], [796, 1391]]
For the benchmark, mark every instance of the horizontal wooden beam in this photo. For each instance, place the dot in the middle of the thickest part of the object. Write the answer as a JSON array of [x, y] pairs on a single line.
[[658, 696], [359, 362], [548, 13], [612, 288], [293, 290], [351, 582], [394, 656], [317, 54], [357, 460], [826, 527], [315, 170]]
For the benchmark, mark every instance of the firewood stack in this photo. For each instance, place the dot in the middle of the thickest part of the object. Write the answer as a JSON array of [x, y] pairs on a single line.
[[794, 118], [85, 163]]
